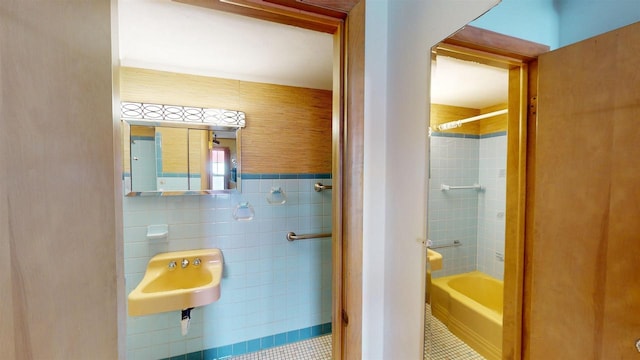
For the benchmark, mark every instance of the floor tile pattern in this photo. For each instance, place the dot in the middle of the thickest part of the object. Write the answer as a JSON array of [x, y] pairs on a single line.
[[318, 348], [439, 344]]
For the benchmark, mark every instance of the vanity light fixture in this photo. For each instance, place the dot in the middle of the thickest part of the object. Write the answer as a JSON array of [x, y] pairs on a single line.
[[182, 114]]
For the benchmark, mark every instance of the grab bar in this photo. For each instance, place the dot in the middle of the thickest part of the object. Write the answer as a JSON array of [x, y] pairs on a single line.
[[319, 187], [455, 243], [444, 187], [291, 236]]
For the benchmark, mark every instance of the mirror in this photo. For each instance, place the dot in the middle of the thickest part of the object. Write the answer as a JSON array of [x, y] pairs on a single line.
[[178, 158]]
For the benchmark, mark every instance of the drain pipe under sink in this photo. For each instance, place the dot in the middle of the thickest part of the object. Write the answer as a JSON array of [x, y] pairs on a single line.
[[185, 321]]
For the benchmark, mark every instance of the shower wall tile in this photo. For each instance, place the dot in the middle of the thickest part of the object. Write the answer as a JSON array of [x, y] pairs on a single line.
[[474, 218], [453, 214], [270, 286], [491, 205]]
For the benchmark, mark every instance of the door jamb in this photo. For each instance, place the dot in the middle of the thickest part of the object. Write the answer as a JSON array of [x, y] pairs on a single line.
[[338, 143]]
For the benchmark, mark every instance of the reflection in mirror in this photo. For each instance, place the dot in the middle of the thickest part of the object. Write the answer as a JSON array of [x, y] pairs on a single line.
[[178, 158]]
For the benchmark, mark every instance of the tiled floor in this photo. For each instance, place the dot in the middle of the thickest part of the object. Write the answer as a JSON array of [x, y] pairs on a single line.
[[439, 344], [318, 348]]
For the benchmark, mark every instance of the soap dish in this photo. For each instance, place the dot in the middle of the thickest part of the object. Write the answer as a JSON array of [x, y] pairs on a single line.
[[159, 231], [277, 196], [243, 212]]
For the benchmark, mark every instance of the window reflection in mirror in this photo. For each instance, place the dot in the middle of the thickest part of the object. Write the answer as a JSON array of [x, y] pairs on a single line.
[[165, 159], [222, 161]]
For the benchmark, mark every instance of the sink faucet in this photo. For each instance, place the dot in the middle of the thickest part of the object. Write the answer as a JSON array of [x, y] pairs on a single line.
[[185, 263]]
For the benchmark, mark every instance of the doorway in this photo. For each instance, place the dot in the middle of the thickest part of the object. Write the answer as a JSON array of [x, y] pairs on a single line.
[[476, 203], [274, 292], [466, 201]]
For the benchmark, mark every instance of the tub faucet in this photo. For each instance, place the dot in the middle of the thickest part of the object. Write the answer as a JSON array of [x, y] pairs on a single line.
[[184, 263]]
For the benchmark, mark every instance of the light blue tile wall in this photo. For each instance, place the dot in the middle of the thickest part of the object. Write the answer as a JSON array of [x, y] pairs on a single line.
[[491, 205], [176, 182], [453, 214], [475, 218], [270, 286], [143, 153]]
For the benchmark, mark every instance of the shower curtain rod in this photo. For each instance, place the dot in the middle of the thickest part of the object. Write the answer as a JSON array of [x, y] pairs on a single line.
[[458, 123]]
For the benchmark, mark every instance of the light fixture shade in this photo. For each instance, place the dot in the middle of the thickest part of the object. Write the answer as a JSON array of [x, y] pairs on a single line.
[[184, 114]]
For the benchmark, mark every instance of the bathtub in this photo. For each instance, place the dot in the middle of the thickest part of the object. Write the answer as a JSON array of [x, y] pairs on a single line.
[[470, 305]]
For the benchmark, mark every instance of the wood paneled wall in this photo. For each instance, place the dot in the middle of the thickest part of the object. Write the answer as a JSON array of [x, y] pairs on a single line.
[[125, 131], [147, 131], [175, 149], [493, 124], [288, 128], [441, 114]]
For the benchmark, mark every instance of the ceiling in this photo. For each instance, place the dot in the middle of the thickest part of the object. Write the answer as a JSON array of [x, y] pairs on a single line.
[[467, 84], [170, 36]]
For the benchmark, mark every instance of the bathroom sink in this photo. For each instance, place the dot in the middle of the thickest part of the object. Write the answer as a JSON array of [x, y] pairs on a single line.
[[434, 259], [178, 280]]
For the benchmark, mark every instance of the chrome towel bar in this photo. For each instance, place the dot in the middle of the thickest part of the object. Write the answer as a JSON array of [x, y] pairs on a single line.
[[455, 243], [319, 187], [291, 236], [444, 187]]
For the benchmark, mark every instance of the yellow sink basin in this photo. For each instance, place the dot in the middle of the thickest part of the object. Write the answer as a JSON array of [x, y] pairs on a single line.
[[434, 259], [178, 280]]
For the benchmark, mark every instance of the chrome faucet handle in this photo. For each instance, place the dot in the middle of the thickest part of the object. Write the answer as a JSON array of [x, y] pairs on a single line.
[[185, 263], [172, 265], [196, 262]]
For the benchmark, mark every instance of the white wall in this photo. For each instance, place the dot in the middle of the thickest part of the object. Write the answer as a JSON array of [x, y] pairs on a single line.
[[374, 184], [413, 27]]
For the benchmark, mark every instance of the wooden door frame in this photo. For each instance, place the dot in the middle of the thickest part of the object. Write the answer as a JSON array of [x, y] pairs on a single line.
[[321, 18], [520, 58], [338, 139]]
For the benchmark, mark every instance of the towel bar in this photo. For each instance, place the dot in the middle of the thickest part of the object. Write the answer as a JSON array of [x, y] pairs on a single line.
[[291, 236]]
